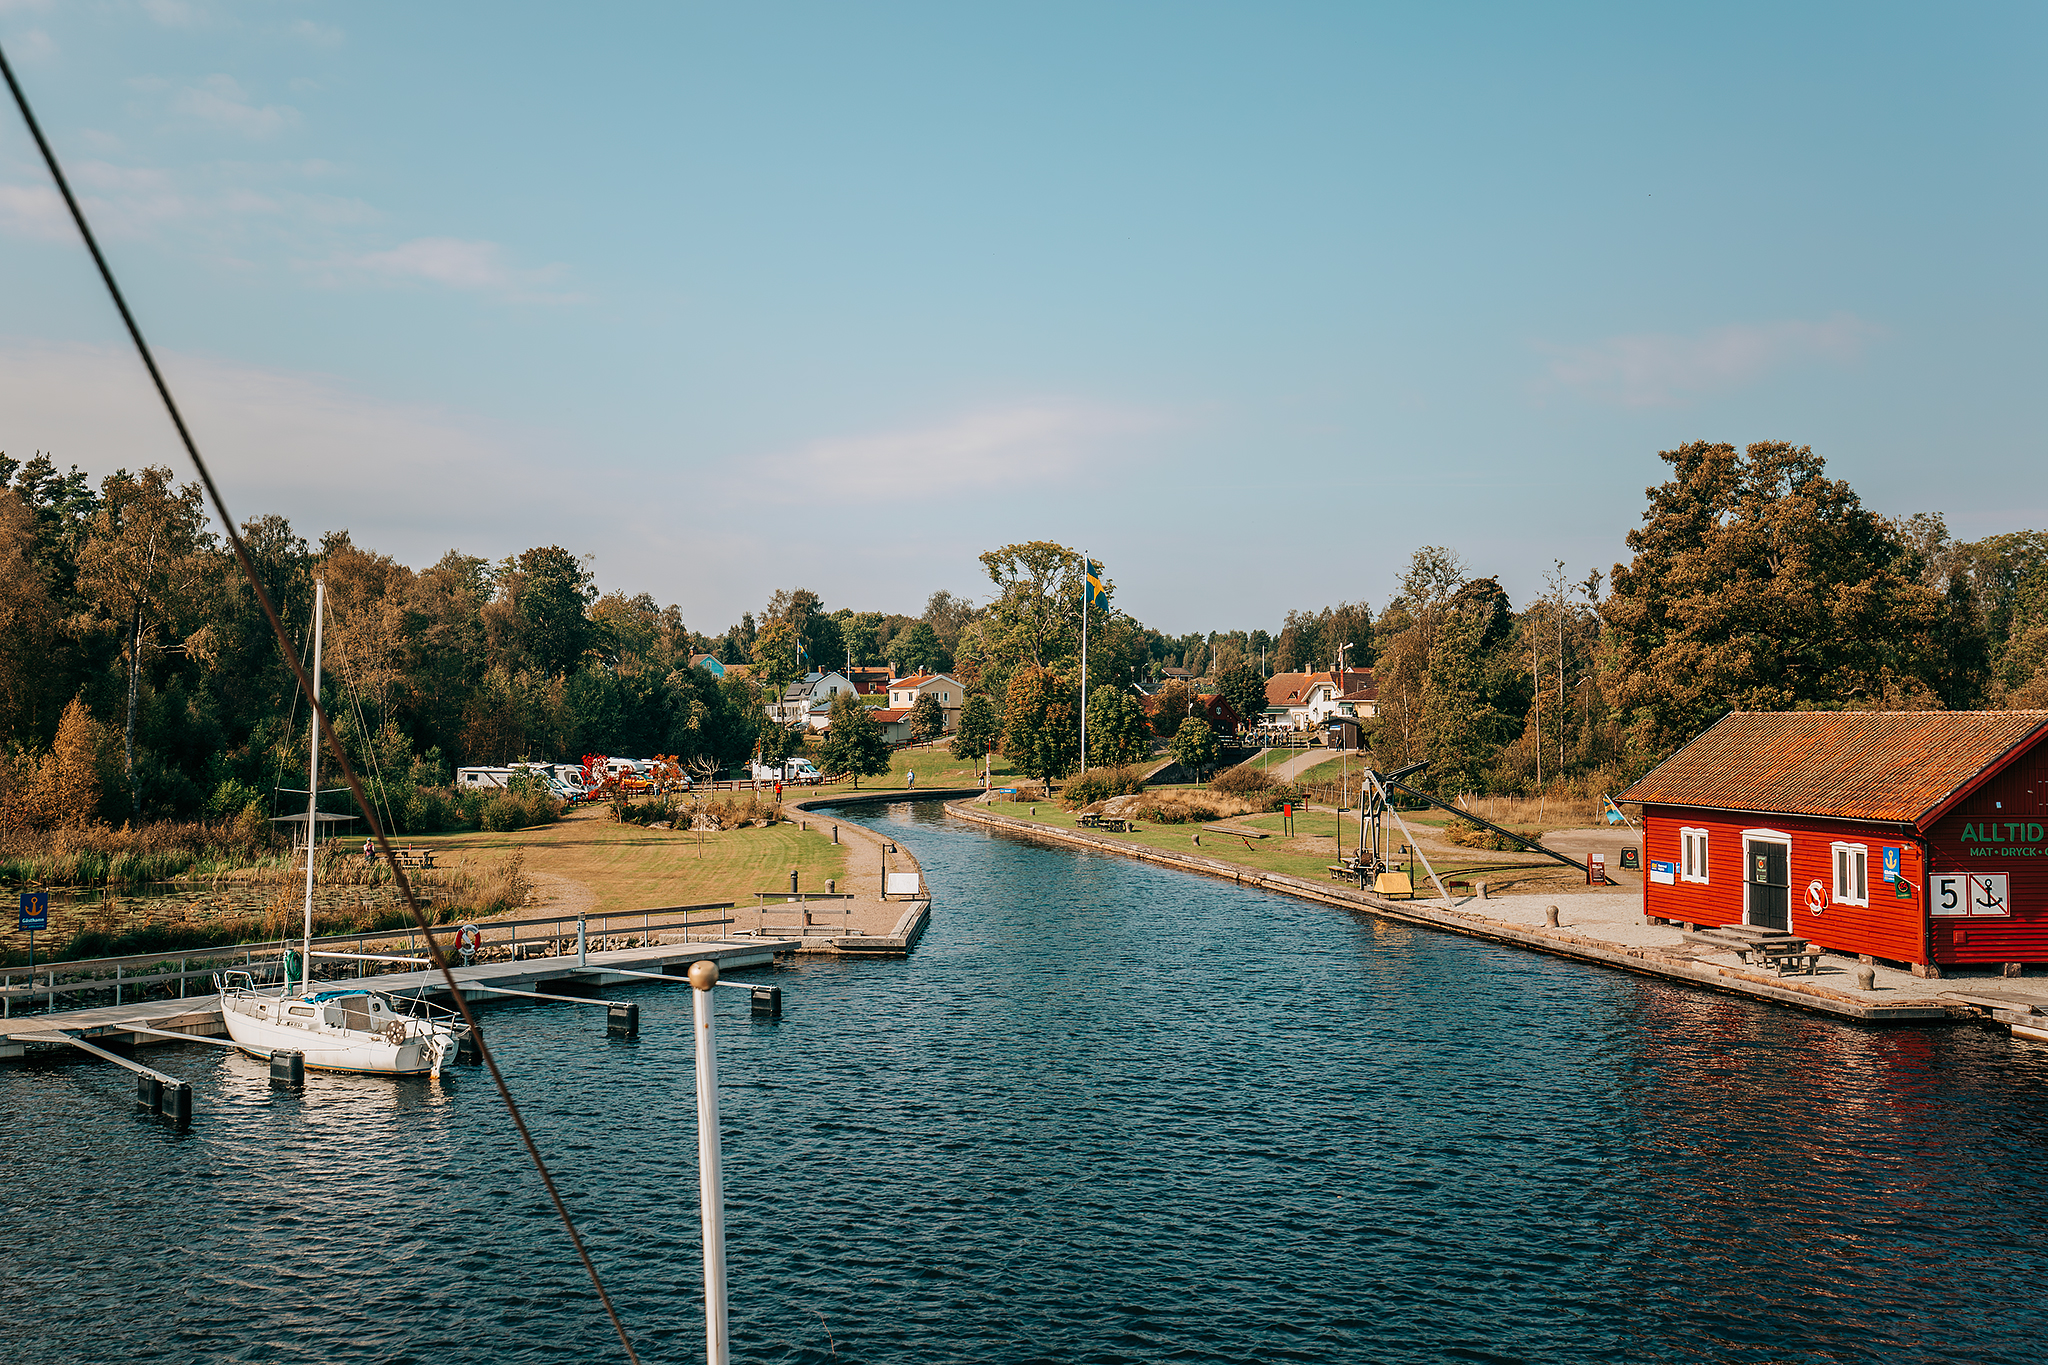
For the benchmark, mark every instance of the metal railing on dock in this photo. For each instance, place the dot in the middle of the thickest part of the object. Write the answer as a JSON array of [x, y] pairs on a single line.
[[138, 977]]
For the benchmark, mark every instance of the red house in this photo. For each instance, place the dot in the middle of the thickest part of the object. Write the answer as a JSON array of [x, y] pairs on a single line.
[[1915, 837]]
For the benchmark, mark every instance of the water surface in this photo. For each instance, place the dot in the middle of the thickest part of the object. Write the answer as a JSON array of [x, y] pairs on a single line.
[[1106, 1112]]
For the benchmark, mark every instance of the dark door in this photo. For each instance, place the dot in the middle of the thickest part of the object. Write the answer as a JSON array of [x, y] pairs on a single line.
[[1770, 885]]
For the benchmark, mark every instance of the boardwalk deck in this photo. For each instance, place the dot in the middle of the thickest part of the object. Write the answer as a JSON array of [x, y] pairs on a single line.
[[200, 1015]]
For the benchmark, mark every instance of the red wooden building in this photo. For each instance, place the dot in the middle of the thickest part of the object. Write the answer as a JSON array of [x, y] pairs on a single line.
[[1914, 837]]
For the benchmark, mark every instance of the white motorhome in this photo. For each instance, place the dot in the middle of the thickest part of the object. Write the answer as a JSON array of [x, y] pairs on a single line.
[[789, 770], [467, 778]]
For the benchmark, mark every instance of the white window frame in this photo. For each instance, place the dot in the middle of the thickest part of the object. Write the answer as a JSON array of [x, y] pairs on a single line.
[[1691, 869], [1849, 869]]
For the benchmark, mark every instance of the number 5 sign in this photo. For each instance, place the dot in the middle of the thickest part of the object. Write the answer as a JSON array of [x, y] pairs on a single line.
[[1972, 893]]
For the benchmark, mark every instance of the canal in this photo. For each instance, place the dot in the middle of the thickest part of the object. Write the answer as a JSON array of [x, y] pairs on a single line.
[[1106, 1112]]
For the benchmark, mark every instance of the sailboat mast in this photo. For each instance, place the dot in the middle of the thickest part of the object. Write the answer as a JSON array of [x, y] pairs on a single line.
[[312, 791]]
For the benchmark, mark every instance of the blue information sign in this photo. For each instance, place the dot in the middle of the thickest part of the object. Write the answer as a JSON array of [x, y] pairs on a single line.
[[1891, 864], [35, 910]]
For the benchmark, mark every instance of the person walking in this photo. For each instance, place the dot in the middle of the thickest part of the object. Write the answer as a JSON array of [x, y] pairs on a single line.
[[913, 779], [369, 850]]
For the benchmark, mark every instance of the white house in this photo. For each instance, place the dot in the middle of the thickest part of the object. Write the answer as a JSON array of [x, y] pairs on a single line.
[[951, 695], [794, 706]]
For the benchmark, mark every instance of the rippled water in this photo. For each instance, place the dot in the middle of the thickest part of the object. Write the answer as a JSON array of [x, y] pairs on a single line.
[[1105, 1113]]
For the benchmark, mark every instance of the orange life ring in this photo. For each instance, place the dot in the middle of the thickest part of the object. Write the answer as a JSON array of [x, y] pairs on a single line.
[[468, 939]]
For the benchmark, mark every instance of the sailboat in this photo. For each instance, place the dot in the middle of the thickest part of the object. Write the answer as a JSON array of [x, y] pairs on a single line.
[[343, 1029]]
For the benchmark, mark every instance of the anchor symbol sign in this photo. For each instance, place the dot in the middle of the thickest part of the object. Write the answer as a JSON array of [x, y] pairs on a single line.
[[1984, 899]]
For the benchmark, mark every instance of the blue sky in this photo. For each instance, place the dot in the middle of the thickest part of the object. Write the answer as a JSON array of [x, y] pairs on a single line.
[[1248, 300]]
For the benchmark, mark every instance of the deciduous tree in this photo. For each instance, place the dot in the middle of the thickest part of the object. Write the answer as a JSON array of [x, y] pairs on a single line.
[[927, 719], [980, 729], [1041, 723], [1760, 583], [1118, 732], [1194, 745], [854, 743]]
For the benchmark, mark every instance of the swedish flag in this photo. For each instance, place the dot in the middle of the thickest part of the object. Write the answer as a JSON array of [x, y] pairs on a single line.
[[1098, 596]]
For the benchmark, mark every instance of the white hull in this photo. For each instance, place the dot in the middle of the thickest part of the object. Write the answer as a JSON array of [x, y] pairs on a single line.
[[262, 1022]]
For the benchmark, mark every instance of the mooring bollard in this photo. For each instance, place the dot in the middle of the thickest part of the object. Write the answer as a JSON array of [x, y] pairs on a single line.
[[622, 1021], [177, 1110], [767, 1002], [710, 1178], [792, 881], [1479, 889], [1866, 978], [149, 1093], [1550, 916], [835, 834], [288, 1070], [831, 886], [582, 943]]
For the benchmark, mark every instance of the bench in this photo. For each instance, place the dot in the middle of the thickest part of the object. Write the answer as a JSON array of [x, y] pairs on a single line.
[[1784, 958]]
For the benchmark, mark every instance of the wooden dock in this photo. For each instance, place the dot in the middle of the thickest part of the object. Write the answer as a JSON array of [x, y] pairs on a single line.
[[199, 1015]]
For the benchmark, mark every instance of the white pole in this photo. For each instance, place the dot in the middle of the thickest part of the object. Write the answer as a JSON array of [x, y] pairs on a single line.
[[312, 796], [582, 958], [710, 1178]]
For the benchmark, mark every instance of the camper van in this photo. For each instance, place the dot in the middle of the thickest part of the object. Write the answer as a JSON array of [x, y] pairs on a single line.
[[790, 770], [467, 779]]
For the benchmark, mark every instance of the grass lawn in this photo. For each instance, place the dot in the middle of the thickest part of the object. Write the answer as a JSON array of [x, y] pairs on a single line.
[[626, 867]]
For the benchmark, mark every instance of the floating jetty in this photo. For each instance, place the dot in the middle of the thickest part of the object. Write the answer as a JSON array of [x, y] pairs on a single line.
[[565, 976]]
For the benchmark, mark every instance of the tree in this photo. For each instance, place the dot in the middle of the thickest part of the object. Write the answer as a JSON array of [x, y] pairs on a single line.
[[1041, 723], [1035, 620], [26, 617], [980, 730], [1118, 732], [1759, 583], [854, 743], [917, 650], [1241, 686], [927, 719], [145, 563], [775, 742], [1173, 704], [1194, 746], [551, 594]]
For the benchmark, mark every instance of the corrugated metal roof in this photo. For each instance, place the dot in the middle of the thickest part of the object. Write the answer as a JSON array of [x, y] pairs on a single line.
[[1856, 765]]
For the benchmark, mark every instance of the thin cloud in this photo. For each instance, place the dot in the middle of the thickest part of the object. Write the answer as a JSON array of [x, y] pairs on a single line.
[[409, 478], [994, 448], [32, 46], [1657, 369], [320, 35], [34, 211], [459, 264], [221, 102]]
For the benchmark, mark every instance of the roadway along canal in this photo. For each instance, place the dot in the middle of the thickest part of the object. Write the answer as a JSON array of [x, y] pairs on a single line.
[[1106, 1112]]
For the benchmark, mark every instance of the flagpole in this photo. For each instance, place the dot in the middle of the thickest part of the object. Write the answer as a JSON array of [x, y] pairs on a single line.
[[1087, 592]]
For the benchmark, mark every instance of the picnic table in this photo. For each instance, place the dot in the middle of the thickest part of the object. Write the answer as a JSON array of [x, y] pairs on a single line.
[[1115, 824]]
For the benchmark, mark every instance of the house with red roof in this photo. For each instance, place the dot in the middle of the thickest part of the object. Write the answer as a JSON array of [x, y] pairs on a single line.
[[1913, 837]]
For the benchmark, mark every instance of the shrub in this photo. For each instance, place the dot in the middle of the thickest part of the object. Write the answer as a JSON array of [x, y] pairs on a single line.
[[1244, 780], [1465, 834], [1099, 784]]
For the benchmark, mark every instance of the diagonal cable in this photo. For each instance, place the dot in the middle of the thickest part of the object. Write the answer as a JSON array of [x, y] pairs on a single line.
[[348, 771]]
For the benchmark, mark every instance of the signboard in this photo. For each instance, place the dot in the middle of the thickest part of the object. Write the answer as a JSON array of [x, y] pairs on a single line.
[[1596, 869], [901, 884], [1664, 874], [35, 911], [1955, 894], [1629, 858], [1891, 864]]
